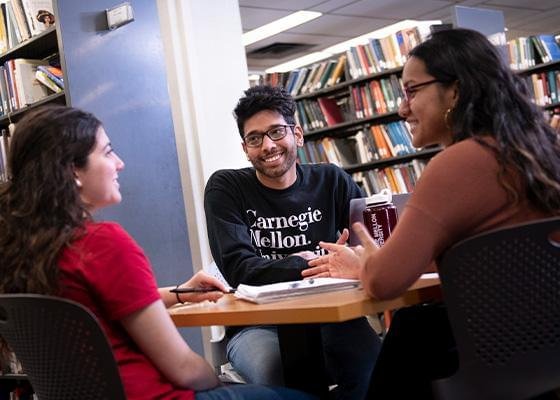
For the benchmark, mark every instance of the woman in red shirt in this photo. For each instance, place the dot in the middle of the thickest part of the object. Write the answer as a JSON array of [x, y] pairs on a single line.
[[63, 169]]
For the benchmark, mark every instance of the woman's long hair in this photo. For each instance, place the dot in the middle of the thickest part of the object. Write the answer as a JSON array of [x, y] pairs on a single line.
[[493, 101], [40, 207]]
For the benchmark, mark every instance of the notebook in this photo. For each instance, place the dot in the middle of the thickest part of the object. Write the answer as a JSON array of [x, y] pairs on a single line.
[[357, 206], [288, 290]]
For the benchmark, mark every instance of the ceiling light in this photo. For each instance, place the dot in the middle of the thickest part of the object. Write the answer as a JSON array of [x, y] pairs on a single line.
[[362, 39], [280, 25]]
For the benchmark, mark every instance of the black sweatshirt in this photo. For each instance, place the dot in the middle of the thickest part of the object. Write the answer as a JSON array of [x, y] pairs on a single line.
[[253, 229]]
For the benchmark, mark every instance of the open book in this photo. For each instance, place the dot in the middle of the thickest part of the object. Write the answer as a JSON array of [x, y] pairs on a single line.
[[287, 290]]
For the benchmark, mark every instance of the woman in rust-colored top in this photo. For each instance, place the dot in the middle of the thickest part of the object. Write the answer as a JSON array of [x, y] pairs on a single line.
[[500, 166]]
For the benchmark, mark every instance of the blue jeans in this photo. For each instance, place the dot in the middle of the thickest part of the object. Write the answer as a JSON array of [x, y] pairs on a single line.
[[254, 352], [252, 392]]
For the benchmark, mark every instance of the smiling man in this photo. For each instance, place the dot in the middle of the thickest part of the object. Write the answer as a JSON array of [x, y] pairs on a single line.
[[265, 224]]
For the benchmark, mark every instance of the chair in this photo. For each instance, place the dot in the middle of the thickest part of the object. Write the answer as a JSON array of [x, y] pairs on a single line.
[[64, 351], [502, 292]]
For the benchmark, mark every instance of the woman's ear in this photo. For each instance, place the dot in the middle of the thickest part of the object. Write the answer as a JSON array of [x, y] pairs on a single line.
[[76, 177], [455, 94]]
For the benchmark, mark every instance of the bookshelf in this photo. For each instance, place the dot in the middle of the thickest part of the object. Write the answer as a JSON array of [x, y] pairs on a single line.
[[353, 121], [543, 82], [37, 47], [324, 138]]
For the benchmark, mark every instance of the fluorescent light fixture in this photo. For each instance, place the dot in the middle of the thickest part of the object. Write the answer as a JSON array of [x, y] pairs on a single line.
[[343, 46], [280, 25]]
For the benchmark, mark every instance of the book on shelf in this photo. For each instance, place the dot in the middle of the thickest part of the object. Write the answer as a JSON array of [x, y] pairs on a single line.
[[3, 32], [44, 79], [19, 18], [54, 74], [550, 48], [338, 72], [289, 290], [3, 156], [330, 110], [28, 90]]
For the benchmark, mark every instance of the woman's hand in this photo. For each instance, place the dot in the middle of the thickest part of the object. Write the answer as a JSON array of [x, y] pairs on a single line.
[[200, 280], [204, 281], [341, 262]]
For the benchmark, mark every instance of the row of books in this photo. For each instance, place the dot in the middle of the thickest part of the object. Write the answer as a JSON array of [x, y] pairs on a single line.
[[378, 142], [377, 97], [22, 19], [365, 100], [26, 81], [526, 52], [398, 178], [544, 87], [373, 56], [318, 76], [380, 54]]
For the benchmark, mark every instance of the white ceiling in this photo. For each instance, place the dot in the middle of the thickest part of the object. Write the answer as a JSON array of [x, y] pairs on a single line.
[[345, 19]]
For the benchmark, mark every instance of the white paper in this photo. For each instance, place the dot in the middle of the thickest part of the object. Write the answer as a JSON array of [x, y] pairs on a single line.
[[285, 290]]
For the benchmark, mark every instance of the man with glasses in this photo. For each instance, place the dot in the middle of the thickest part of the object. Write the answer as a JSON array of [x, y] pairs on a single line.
[[264, 225]]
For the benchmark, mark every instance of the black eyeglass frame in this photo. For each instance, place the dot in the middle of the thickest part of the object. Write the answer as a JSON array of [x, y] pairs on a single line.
[[410, 90], [268, 133]]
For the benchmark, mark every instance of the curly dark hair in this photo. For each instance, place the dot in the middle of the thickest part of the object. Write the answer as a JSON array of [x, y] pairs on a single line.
[[264, 97], [40, 208], [493, 101]]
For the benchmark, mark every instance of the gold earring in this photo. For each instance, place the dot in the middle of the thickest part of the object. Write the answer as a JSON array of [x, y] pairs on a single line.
[[446, 118]]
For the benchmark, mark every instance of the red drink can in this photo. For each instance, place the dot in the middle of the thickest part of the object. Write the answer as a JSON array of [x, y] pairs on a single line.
[[380, 216]]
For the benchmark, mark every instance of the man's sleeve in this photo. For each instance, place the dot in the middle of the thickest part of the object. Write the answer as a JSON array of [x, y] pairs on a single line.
[[230, 241]]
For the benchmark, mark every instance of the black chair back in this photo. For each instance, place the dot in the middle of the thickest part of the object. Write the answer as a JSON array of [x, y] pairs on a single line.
[[502, 291], [62, 348]]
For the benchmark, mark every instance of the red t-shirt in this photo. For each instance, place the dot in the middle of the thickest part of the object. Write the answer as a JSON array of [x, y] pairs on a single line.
[[107, 271]]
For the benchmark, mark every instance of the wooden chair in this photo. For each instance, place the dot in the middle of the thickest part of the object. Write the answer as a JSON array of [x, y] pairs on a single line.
[[502, 292], [64, 351]]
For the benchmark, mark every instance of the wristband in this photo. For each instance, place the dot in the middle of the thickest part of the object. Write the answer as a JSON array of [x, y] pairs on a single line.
[[177, 295]]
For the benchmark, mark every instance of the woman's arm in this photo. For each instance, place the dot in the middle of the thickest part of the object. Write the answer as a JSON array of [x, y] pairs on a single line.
[[153, 331]]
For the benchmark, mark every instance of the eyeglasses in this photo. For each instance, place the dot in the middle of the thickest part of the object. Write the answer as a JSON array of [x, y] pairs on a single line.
[[409, 91], [277, 133]]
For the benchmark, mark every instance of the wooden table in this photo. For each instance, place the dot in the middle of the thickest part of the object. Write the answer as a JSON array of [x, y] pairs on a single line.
[[299, 321]]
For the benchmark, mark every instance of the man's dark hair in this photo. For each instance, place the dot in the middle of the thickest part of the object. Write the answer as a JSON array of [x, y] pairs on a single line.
[[264, 97]]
